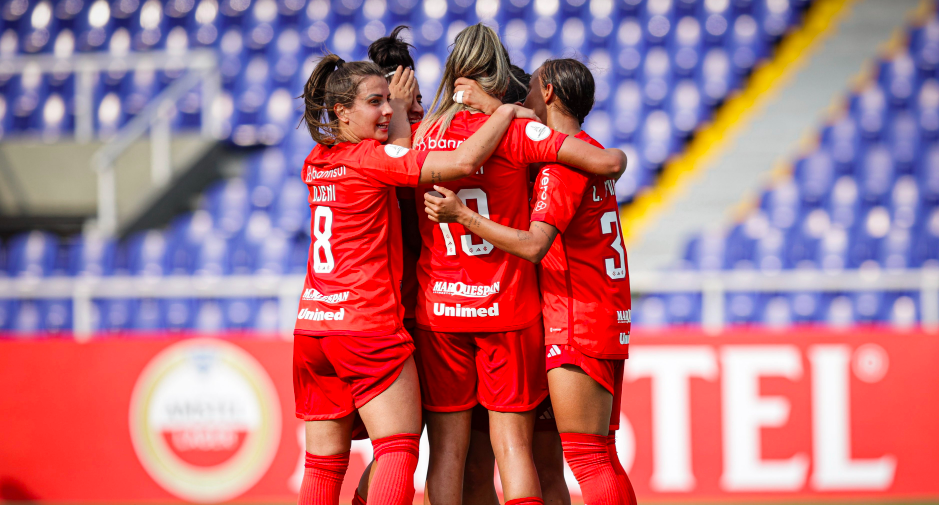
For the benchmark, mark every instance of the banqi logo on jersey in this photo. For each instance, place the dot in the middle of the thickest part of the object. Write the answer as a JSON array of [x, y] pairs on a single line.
[[205, 420]]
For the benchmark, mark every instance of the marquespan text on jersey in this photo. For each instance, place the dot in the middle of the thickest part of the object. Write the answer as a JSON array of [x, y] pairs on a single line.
[[442, 309], [461, 289], [316, 296], [319, 315], [624, 316]]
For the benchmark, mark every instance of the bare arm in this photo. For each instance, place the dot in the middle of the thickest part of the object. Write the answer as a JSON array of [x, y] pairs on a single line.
[[573, 152], [531, 245], [440, 166], [590, 158], [401, 90]]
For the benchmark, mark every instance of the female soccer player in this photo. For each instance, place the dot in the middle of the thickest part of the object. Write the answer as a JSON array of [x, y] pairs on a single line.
[[479, 337], [478, 486], [584, 283], [351, 353]]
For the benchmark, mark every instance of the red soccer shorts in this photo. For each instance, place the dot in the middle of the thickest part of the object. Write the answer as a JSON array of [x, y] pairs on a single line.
[[607, 372], [503, 371], [334, 375]]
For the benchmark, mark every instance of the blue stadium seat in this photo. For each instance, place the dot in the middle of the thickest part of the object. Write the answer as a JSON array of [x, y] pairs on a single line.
[[6, 314], [209, 316], [114, 315], [185, 238], [239, 313], [145, 252], [146, 315], [178, 314], [91, 255], [32, 254], [741, 308]]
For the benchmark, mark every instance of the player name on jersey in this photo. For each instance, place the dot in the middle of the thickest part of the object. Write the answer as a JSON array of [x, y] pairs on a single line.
[[442, 309], [323, 193], [319, 315], [461, 289]]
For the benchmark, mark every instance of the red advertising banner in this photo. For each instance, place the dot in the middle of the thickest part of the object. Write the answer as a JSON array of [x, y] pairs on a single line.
[[749, 414]]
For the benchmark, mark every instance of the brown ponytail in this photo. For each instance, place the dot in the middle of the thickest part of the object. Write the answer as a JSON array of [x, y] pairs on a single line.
[[573, 84], [333, 82]]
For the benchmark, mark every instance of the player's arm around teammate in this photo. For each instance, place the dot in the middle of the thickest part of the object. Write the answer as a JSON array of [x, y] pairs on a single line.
[[358, 358], [585, 360]]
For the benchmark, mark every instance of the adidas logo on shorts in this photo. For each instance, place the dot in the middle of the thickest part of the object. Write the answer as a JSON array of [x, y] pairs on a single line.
[[553, 351]]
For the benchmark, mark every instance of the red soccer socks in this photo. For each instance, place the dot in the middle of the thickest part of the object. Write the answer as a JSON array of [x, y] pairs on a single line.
[[395, 460], [589, 459], [525, 501], [624, 482], [323, 479]]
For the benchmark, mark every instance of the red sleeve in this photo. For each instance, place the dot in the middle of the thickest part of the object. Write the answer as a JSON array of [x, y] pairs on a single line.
[[558, 193], [390, 164], [529, 141]]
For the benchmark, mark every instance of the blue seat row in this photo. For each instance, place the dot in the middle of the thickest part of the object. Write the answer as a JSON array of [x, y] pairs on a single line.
[[142, 315], [661, 66], [897, 309]]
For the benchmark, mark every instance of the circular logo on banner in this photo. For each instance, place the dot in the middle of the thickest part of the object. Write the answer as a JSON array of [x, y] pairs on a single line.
[[205, 420], [537, 131], [395, 151]]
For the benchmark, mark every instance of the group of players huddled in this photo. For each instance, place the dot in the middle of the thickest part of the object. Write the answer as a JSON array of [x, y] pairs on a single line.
[[439, 315]]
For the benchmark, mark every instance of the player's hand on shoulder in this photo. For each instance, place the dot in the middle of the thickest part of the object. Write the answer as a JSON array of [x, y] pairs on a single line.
[[469, 92], [443, 206], [402, 87], [523, 112]]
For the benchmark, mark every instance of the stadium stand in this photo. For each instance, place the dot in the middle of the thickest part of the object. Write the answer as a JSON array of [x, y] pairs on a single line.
[[865, 197], [662, 67]]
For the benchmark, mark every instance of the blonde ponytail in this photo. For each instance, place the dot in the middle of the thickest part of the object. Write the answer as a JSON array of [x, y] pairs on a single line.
[[477, 54]]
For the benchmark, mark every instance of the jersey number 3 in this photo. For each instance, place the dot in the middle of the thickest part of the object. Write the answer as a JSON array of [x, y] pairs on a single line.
[[466, 241], [609, 224], [322, 232]]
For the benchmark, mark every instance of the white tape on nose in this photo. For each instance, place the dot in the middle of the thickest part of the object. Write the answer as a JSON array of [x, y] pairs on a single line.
[[458, 96]]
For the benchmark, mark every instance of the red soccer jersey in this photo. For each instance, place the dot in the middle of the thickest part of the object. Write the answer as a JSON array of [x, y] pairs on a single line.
[[584, 277], [468, 285], [354, 270]]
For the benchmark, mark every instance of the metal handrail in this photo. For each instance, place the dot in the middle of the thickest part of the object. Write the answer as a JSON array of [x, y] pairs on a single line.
[[200, 66]]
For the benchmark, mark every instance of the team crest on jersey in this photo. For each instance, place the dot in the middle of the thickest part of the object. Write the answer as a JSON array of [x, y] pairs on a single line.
[[537, 131], [395, 151], [204, 420]]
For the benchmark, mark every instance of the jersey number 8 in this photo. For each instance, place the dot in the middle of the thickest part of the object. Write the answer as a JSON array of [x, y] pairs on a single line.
[[322, 233]]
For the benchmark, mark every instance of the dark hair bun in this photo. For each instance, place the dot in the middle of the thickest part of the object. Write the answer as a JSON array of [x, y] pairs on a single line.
[[389, 52], [518, 85]]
